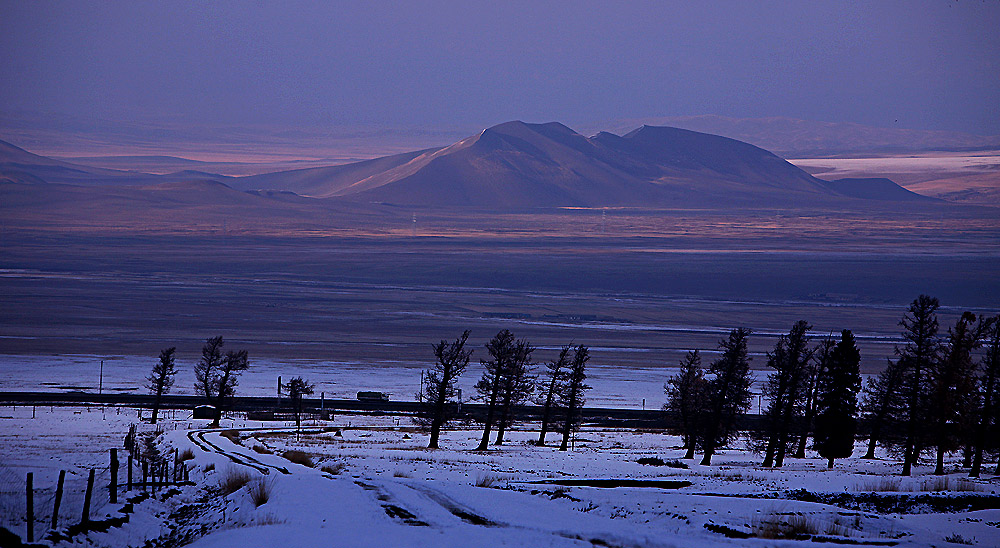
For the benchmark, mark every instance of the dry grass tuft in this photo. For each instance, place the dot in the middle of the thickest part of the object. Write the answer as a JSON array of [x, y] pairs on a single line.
[[260, 491], [262, 450], [486, 480], [880, 485], [335, 468], [186, 455], [233, 479], [267, 519], [299, 457], [401, 474], [944, 483], [782, 526], [937, 484]]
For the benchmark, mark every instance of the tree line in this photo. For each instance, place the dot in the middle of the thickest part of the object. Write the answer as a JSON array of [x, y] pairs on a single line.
[[508, 381], [937, 396], [216, 375]]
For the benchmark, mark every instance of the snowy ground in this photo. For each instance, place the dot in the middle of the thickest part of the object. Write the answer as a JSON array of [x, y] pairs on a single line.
[[613, 386], [387, 489]]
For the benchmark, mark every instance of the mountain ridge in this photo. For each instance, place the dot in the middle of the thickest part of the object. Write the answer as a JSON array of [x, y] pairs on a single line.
[[517, 164]]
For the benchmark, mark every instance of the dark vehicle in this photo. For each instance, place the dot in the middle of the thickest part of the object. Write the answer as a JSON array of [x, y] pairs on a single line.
[[373, 396], [204, 412]]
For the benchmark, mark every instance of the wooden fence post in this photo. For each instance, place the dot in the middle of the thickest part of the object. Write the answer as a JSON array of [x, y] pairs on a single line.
[[145, 474], [130, 471], [59, 492], [114, 476], [86, 499], [30, 511]]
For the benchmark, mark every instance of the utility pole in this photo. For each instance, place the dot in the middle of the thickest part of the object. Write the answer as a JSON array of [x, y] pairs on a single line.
[[100, 385]]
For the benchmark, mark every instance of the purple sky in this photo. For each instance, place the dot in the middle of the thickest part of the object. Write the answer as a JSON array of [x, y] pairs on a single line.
[[925, 65]]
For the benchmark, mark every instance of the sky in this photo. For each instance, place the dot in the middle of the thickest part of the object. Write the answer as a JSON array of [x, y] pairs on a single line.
[[921, 65]]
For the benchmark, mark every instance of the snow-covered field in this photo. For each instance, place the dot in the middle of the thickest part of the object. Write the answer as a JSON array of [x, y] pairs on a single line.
[[387, 489], [613, 386]]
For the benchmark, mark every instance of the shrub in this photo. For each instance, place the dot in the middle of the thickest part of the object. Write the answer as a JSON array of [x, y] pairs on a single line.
[[209, 467], [298, 457], [186, 455], [401, 474], [262, 450], [959, 539], [231, 435], [260, 491], [334, 468], [233, 480], [657, 461]]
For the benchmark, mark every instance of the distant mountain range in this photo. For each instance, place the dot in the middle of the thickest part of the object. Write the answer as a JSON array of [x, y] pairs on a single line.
[[520, 165], [510, 166], [794, 138]]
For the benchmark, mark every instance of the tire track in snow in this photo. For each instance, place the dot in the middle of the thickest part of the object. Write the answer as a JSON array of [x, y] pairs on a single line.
[[197, 437]]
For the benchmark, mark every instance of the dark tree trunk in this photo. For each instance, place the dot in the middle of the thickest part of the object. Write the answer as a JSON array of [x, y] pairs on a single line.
[[438, 419], [981, 427], [484, 444]]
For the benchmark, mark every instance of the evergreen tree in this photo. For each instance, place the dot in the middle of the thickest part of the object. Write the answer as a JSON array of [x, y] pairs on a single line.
[[728, 393], [952, 383], [989, 398], [441, 383], [686, 399], [814, 374], [206, 369], [298, 387], [501, 349], [786, 389], [837, 401], [216, 374], [573, 396], [918, 357], [161, 379], [517, 384], [235, 363], [883, 404], [554, 385]]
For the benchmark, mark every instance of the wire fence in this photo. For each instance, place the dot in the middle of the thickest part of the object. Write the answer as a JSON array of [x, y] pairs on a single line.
[[14, 494]]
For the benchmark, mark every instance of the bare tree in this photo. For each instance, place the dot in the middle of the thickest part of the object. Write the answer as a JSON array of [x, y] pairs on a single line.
[[554, 387], [573, 396], [161, 379], [441, 383]]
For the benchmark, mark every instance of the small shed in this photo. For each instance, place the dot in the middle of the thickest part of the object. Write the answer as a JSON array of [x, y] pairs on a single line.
[[204, 412]]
